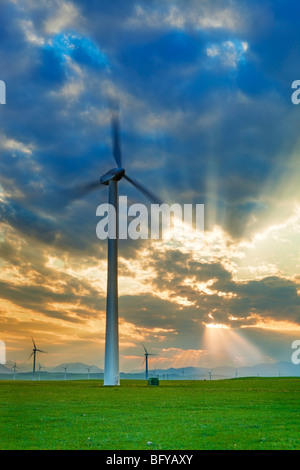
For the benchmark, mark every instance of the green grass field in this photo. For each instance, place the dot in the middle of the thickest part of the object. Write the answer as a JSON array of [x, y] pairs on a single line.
[[258, 413]]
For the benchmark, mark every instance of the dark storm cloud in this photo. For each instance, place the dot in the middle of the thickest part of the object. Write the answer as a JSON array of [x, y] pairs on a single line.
[[28, 223], [38, 287], [187, 118], [55, 232], [163, 320], [271, 297], [166, 67]]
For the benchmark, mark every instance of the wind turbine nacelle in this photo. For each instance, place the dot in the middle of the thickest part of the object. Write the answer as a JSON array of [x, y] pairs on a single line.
[[114, 174]]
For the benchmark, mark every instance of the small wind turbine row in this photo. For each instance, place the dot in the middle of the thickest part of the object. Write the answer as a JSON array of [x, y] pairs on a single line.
[[34, 355]]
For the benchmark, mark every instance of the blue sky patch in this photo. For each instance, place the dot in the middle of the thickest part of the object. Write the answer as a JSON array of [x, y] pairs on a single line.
[[80, 49]]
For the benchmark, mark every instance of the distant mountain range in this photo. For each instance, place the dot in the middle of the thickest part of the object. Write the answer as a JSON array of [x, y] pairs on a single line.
[[5, 370], [74, 367], [79, 371], [284, 369]]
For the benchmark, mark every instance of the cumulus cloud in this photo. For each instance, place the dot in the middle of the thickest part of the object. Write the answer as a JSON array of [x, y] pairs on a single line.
[[65, 16], [204, 15]]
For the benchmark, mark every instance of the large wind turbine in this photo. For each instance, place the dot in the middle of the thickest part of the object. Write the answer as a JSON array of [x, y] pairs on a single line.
[[34, 351], [146, 360], [111, 179]]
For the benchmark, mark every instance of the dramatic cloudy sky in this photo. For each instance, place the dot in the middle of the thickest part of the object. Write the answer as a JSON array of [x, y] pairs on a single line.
[[206, 118]]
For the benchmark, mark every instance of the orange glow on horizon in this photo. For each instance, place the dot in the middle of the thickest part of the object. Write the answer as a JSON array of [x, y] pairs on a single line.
[[217, 326]]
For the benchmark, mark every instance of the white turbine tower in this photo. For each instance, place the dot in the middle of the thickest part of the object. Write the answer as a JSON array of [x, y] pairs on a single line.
[[111, 179]]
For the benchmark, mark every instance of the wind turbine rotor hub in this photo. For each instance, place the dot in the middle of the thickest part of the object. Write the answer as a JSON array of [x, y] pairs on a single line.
[[114, 174]]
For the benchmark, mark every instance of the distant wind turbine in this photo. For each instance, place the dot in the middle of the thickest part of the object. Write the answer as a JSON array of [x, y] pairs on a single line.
[[40, 368], [34, 351], [15, 368], [88, 369], [146, 360], [65, 369]]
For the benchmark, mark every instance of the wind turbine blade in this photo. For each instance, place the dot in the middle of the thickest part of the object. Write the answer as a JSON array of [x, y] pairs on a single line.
[[144, 348], [30, 356], [33, 342], [39, 350], [80, 191], [149, 195], [115, 126]]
